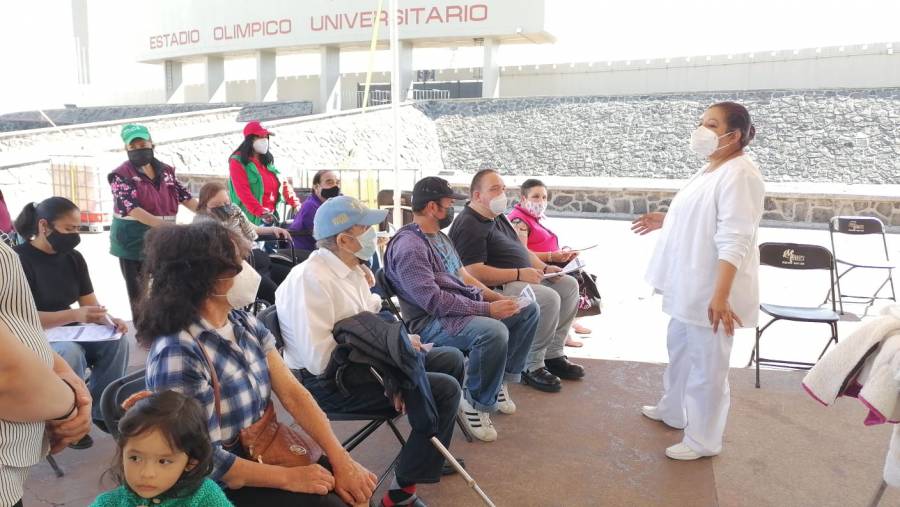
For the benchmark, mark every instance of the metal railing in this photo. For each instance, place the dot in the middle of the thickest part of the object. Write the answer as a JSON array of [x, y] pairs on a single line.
[[382, 97]]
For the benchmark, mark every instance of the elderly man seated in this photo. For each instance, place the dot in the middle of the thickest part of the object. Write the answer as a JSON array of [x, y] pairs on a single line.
[[334, 284], [447, 306], [491, 251]]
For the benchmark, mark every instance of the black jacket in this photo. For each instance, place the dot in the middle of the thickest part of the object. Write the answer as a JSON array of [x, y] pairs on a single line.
[[366, 340]]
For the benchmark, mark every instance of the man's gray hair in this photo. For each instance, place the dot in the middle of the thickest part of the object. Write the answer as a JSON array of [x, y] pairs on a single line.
[[329, 243]]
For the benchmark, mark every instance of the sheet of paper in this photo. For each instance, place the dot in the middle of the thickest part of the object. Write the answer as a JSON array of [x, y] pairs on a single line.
[[567, 249], [85, 333], [574, 265], [526, 297]]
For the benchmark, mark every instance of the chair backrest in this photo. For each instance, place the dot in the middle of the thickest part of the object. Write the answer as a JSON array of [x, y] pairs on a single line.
[[795, 256], [269, 318], [857, 226], [115, 393], [382, 282]]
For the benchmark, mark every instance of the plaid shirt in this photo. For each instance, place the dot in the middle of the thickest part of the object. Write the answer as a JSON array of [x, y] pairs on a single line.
[[176, 362], [421, 279]]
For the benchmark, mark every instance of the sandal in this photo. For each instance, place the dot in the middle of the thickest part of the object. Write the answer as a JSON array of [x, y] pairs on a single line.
[[571, 341], [578, 328]]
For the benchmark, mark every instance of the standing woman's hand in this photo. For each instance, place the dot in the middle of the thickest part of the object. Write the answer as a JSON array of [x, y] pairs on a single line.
[[648, 222], [720, 311]]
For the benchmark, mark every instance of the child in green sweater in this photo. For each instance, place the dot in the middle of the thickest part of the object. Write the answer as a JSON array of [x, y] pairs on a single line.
[[164, 455]]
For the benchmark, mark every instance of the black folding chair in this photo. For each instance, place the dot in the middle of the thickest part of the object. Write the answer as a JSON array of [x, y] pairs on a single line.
[[115, 393], [797, 257], [269, 318], [859, 226]]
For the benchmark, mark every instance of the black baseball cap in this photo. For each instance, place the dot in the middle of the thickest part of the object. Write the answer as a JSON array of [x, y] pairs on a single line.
[[432, 188]]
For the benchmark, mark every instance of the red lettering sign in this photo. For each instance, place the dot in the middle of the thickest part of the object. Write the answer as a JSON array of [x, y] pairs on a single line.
[[409, 16]]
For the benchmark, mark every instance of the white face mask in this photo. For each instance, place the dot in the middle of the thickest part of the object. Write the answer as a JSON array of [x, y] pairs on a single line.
[[369, 242], [261, 145], [705, 142], [243, 291], [536, 209], [498, 204]]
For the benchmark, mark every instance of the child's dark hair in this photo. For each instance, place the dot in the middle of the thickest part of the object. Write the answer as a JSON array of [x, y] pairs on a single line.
[[182, 421]]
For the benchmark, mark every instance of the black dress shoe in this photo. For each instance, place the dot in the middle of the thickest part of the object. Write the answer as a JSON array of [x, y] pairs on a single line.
[[448, 468], [84, 443], [562, 368], [542, 380]]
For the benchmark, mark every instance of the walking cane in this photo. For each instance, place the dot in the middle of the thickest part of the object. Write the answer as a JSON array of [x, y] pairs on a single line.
[[449, 457], [878, 494]]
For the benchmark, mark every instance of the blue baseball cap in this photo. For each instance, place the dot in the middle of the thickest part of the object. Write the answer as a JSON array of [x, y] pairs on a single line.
[[340, 213]]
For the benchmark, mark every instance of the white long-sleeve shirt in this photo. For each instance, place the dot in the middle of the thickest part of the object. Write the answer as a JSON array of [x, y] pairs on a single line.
[[714, 217], [315, 296]]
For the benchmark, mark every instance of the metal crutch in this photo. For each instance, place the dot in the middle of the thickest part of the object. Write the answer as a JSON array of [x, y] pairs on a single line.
[[449, 457]]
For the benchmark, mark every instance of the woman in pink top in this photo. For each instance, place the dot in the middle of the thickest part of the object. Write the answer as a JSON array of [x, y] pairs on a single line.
[[526, 217]]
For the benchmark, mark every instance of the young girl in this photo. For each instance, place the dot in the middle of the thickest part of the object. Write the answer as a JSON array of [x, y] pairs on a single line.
[[164, 455]]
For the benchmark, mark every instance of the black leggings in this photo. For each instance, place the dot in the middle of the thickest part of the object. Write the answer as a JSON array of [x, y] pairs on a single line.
[[260, 261], [253, 497]]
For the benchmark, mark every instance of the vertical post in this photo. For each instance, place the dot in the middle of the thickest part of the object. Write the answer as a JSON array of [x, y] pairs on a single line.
[[395, 109], [490, 73], [174, 83], [266, 77], [215, 79], [330, 79]]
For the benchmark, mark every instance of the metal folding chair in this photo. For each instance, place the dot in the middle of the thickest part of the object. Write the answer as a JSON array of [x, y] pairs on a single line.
[[115, 393], [796, 257], [859, 226]]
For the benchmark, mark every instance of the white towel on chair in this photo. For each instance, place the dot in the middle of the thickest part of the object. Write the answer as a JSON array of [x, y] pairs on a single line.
[[863, 365]]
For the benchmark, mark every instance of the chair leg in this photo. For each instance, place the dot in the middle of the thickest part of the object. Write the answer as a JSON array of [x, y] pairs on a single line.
[[837, 293], [891, 279], [756, 351], [396, 432], [55, 466], [462, 427]]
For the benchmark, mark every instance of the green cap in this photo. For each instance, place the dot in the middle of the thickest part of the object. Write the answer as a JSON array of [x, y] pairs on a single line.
[[131, 132]]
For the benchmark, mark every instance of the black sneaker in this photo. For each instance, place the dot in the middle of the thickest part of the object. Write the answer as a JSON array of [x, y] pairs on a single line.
[[542, 380], [562, 368], [84, 443]]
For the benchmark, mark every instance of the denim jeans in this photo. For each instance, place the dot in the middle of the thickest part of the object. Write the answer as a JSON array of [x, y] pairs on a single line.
[[497, 351], [419, 461], [106, 360]]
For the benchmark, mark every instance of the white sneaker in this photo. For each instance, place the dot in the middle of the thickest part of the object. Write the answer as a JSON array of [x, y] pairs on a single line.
[[505, 404], [651, 412], [682, 452], [478, 423]]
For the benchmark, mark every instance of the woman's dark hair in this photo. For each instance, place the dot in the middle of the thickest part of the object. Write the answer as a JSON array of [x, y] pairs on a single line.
[[207, 192], [530, 183], [182, 422], [317, 178], [51, 210], [245, 151], [738, 118], [181, 266]]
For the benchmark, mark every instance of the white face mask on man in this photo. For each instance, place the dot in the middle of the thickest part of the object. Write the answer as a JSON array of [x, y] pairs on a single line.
[[243, 291], [368, 244], [705, 142], [498, 204]]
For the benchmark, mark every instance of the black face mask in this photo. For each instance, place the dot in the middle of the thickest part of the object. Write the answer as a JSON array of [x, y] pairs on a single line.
[[223, 212], [444, 222], [328, 193], [63, 242], [140, 157]]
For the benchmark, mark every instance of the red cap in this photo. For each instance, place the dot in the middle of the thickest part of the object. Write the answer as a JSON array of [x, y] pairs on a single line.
[[255, 129]]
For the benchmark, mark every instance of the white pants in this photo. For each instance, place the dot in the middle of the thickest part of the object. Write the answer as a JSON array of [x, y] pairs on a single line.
[[697, 396]]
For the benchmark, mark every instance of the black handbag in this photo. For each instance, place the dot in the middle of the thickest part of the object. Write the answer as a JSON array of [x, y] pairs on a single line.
[[589, 300]]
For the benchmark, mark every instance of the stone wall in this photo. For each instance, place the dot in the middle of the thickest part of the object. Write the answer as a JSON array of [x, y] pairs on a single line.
[[845, 136]]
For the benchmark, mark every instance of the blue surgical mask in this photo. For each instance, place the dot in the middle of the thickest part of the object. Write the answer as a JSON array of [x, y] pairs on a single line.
[[368, 242]]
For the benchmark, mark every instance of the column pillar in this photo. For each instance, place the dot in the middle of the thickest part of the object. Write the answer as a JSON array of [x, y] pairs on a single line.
[[174, 83], [215, 79], [407, 75], [329, 80], [266, 77], [490, 73]]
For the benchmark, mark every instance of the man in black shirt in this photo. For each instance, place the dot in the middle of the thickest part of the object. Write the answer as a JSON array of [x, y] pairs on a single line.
[[491, 251]]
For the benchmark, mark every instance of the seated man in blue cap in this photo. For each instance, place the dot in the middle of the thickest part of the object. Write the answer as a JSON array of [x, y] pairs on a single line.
[[334, 284]]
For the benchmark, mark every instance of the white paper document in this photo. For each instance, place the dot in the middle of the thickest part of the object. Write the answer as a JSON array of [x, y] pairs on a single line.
[[83, 333], [574, 265], [526, 297]]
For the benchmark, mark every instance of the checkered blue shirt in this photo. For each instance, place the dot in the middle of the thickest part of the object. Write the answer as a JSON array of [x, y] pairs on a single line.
[[176, 362]]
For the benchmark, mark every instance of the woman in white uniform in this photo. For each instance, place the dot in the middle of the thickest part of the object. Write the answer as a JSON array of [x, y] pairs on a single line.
[[705, 265]]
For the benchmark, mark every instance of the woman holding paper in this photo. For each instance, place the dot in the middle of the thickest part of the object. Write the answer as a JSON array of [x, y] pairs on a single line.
[[58, 277], [705, 265], [526, 217]]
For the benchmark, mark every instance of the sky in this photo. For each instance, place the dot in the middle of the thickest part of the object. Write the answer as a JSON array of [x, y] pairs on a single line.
[[40, 64]]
